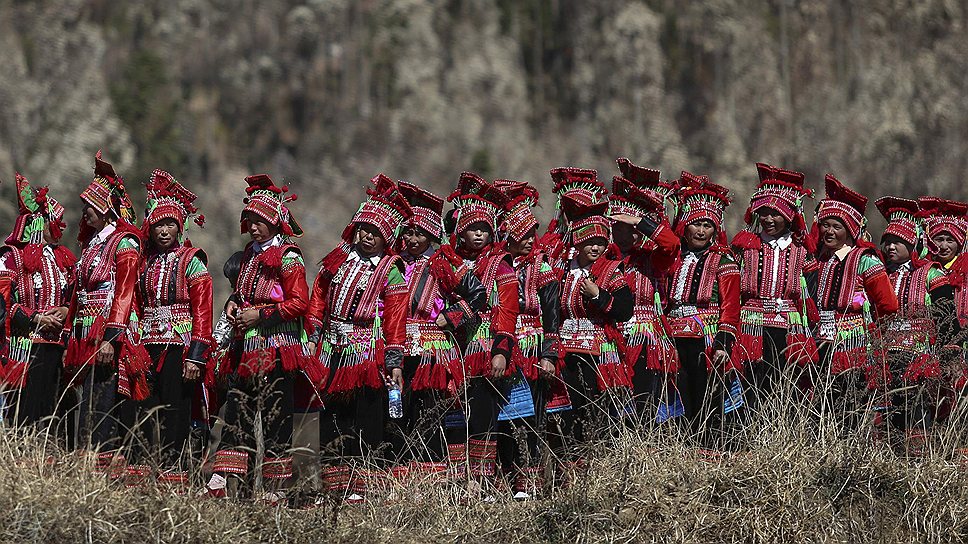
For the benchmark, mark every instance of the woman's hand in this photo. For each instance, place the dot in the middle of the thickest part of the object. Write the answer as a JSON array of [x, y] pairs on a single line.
[[547, 366], [441, 320], [589, 288], [105, 353], [396, 377], [499, 364], [626, 218], [231, 309], [191, 372], [720, 358], [249, 318]]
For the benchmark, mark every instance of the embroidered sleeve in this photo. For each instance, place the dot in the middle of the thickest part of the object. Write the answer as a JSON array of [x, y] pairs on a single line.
[[394, 321], [727, 291], [126, 276], [200, 296], [869, 266], [504, 316], [879, 290], [317, 306]]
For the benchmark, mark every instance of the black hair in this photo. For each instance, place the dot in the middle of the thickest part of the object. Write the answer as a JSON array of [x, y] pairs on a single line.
[[232, 268]]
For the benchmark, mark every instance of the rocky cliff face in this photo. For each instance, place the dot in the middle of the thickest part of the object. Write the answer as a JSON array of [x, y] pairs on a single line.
[[326, 93]]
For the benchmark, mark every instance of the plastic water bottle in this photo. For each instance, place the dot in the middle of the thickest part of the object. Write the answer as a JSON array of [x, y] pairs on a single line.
[[396, 402]]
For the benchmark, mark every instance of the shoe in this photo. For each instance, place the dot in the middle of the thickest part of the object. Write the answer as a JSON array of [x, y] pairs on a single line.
[[354, 499], [215, 488], [521, 496]]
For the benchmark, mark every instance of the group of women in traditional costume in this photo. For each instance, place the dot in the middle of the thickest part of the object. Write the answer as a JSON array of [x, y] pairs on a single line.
[[471, 343]]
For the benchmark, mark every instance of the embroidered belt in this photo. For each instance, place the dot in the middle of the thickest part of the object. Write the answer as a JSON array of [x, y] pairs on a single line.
[[582, 335], [160, 321], [831, 323]]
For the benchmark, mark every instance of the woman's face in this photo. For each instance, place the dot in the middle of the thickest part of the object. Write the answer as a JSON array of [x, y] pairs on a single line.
[[699, 234], [772, 222], [625, 235], [477, 236], [369, 239], [833, 234], [415, 240], [948, 247], [164, 234], [94, 219], [523, 247], [895, 250], [591, 250], [259, 230]]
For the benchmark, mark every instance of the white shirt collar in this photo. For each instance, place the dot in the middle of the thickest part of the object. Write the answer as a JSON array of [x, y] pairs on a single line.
[[841, 253], [782, 241], [103, 234], [355, 256], [260, 247]]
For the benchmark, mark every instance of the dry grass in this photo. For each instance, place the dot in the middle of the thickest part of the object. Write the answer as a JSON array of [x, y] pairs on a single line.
[[789, 482]]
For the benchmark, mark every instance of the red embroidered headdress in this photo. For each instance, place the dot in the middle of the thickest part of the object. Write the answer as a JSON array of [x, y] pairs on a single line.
[[427, 209], [647, 178], [701, 199], [844, 205], [518, 218], [270, 203], [168, 199], [476, 200], [629, 199], [581, 185], [783, 191], [37, 212], [106, 192], [942, 215], [902, 218], [583, 200], [386, 209]]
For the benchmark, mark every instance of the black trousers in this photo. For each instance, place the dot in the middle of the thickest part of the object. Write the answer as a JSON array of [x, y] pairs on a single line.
[[701, 392], [647, 390], [158, 427], [269, 397], [845, 395], [352, 425], [419, 435], [763, 375], [99, 409], [484, 399], [589, 417], [38, 398]]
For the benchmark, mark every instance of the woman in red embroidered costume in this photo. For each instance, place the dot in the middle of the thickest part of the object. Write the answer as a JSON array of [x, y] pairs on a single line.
[[266, 311], [174, 303], [648, 247], [536, 352], [703, 308], [357, 315], [103, 356], [851, 290], [946, 230], [36, 276], [595, 299], [773, 261], [487, 342], [912, 366], [444, 294]]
